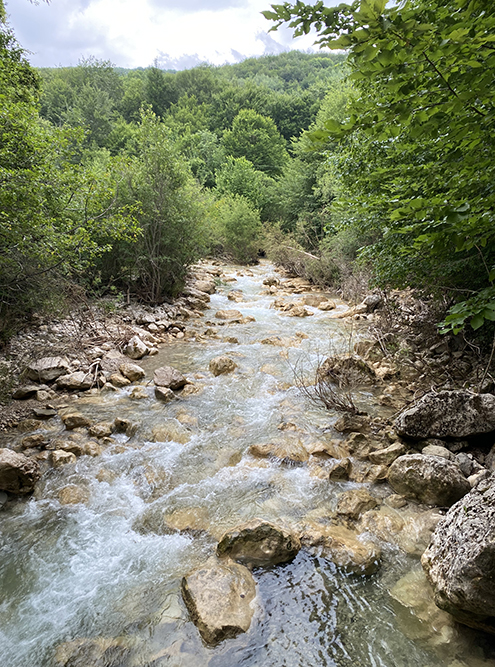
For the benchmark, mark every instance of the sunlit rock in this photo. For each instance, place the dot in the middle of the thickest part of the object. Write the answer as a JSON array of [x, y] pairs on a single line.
[[219, 597], [289, 451], [135, 348], [169, 377], [132, 372], [59, 458], [221, 365], [47, 369], [351, 504], [73, 495], [75, 420]]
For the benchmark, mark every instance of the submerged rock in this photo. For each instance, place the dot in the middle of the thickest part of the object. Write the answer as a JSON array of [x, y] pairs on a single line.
[[259, 543], [18, 473], [460, 560], [288, 452], [428, 479], [448, 414], [343, 547], [219, 599], [351, 504]]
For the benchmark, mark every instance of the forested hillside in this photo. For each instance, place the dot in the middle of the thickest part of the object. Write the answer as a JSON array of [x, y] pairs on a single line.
[[375, 161]]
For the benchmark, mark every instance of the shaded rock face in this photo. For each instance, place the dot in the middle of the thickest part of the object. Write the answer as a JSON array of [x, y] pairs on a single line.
[[428, 479], [460, 560], [18, 473], [219, 599], [448, 414], [169, 377], [259, 543]]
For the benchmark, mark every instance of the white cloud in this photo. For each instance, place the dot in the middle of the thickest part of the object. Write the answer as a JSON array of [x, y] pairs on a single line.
[[133, 34]]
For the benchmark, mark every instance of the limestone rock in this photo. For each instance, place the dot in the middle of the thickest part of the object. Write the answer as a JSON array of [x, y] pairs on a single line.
[[351, 504], [388, 455], [221, 365], [343, 547], [259, 543], [138, 393], [135, 348], [428, 479], [236, 296], [75, 420], [230, 315], [350, 423], [171, 431], [73, 495], [460, 560], [78, 381], [448, 414], [18, 473], [437, 450], [94, 652], [47, 369], [59, 458], [206, 286], [288, 451], [164, 394], [169, 377], [119, 380], [339, 469], [132, 372], [219, 598], [327, 305], [363, 472], [299, 311], [351, 370], [101, 430]]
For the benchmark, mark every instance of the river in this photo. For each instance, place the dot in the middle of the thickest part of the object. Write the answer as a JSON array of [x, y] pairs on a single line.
[[109, 569]]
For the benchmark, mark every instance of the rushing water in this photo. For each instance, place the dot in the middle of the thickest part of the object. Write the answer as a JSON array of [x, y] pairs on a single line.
[[110, 568]]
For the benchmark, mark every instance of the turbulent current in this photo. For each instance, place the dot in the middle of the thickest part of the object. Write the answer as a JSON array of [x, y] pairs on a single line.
[[100, 579]]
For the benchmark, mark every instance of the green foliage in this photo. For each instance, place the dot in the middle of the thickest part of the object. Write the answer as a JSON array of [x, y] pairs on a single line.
[[416, 148], [237, 176], [235, 228], [256, 138]]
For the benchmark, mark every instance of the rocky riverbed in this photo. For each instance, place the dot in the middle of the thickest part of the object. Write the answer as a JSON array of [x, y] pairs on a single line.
[[170, 496]]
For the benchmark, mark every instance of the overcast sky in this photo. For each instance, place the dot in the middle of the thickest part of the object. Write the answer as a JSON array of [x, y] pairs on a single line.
[[133, 33]]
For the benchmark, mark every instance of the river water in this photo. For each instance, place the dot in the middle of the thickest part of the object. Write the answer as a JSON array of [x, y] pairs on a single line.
[[109, 569]]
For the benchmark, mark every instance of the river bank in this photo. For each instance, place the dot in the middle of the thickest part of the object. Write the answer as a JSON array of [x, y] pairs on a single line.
[[166, 476]]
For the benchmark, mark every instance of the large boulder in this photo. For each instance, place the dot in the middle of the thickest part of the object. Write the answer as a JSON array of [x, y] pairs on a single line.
[[431, 480], [460, 560], [18, 473], [259, 543], [230, 315], [47, 369], [448, 414], [169, 377], [219, 598], [136, 349], [78, 381]]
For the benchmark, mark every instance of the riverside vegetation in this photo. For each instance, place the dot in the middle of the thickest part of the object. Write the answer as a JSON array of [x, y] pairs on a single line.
[[364, 176]]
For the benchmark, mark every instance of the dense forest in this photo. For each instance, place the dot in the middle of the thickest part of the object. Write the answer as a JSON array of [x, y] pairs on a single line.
[[373, 161]]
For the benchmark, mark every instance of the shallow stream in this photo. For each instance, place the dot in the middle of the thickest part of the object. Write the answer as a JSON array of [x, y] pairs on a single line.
[[110, 568]]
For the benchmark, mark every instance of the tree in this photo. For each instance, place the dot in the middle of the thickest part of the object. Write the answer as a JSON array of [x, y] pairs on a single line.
[[418, 166], [256, 138], [237, 176]]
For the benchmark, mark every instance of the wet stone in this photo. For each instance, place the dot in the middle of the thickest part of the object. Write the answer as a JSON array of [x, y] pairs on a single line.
[[259, 543], [75, 420]]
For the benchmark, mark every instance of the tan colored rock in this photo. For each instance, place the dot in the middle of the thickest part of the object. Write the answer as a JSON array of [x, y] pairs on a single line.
[[350, 369], [75, 420], [350, 423], [73, 495], [219, 597], [125, 426], [384, 522], [59, 458], [288, 451], [230, 315], [18, 473], [138, 394], [343, 547], [25, 391], [327, 305], [132, 372], [38, 440], [388, 455], [79, 381], [299, 311], [169, 377], [171, 431], [188, 519], [259, 543], [207, 286], [190, 389], [101, 430], [221, 365], [236, 296], [94, 652], [339, 469], [164, 394], [351, 504], [119, 380], [367, 473]]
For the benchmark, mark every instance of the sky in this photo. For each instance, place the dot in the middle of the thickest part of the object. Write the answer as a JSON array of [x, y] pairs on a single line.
[[177, 34]]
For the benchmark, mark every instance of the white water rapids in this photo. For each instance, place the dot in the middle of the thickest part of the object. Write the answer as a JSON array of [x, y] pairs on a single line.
[[111, 567]]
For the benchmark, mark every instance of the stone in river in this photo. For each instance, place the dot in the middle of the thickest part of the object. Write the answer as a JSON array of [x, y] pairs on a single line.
[[259, 543], [169, 377], [219, 597], [18, 473], [221, 365]]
